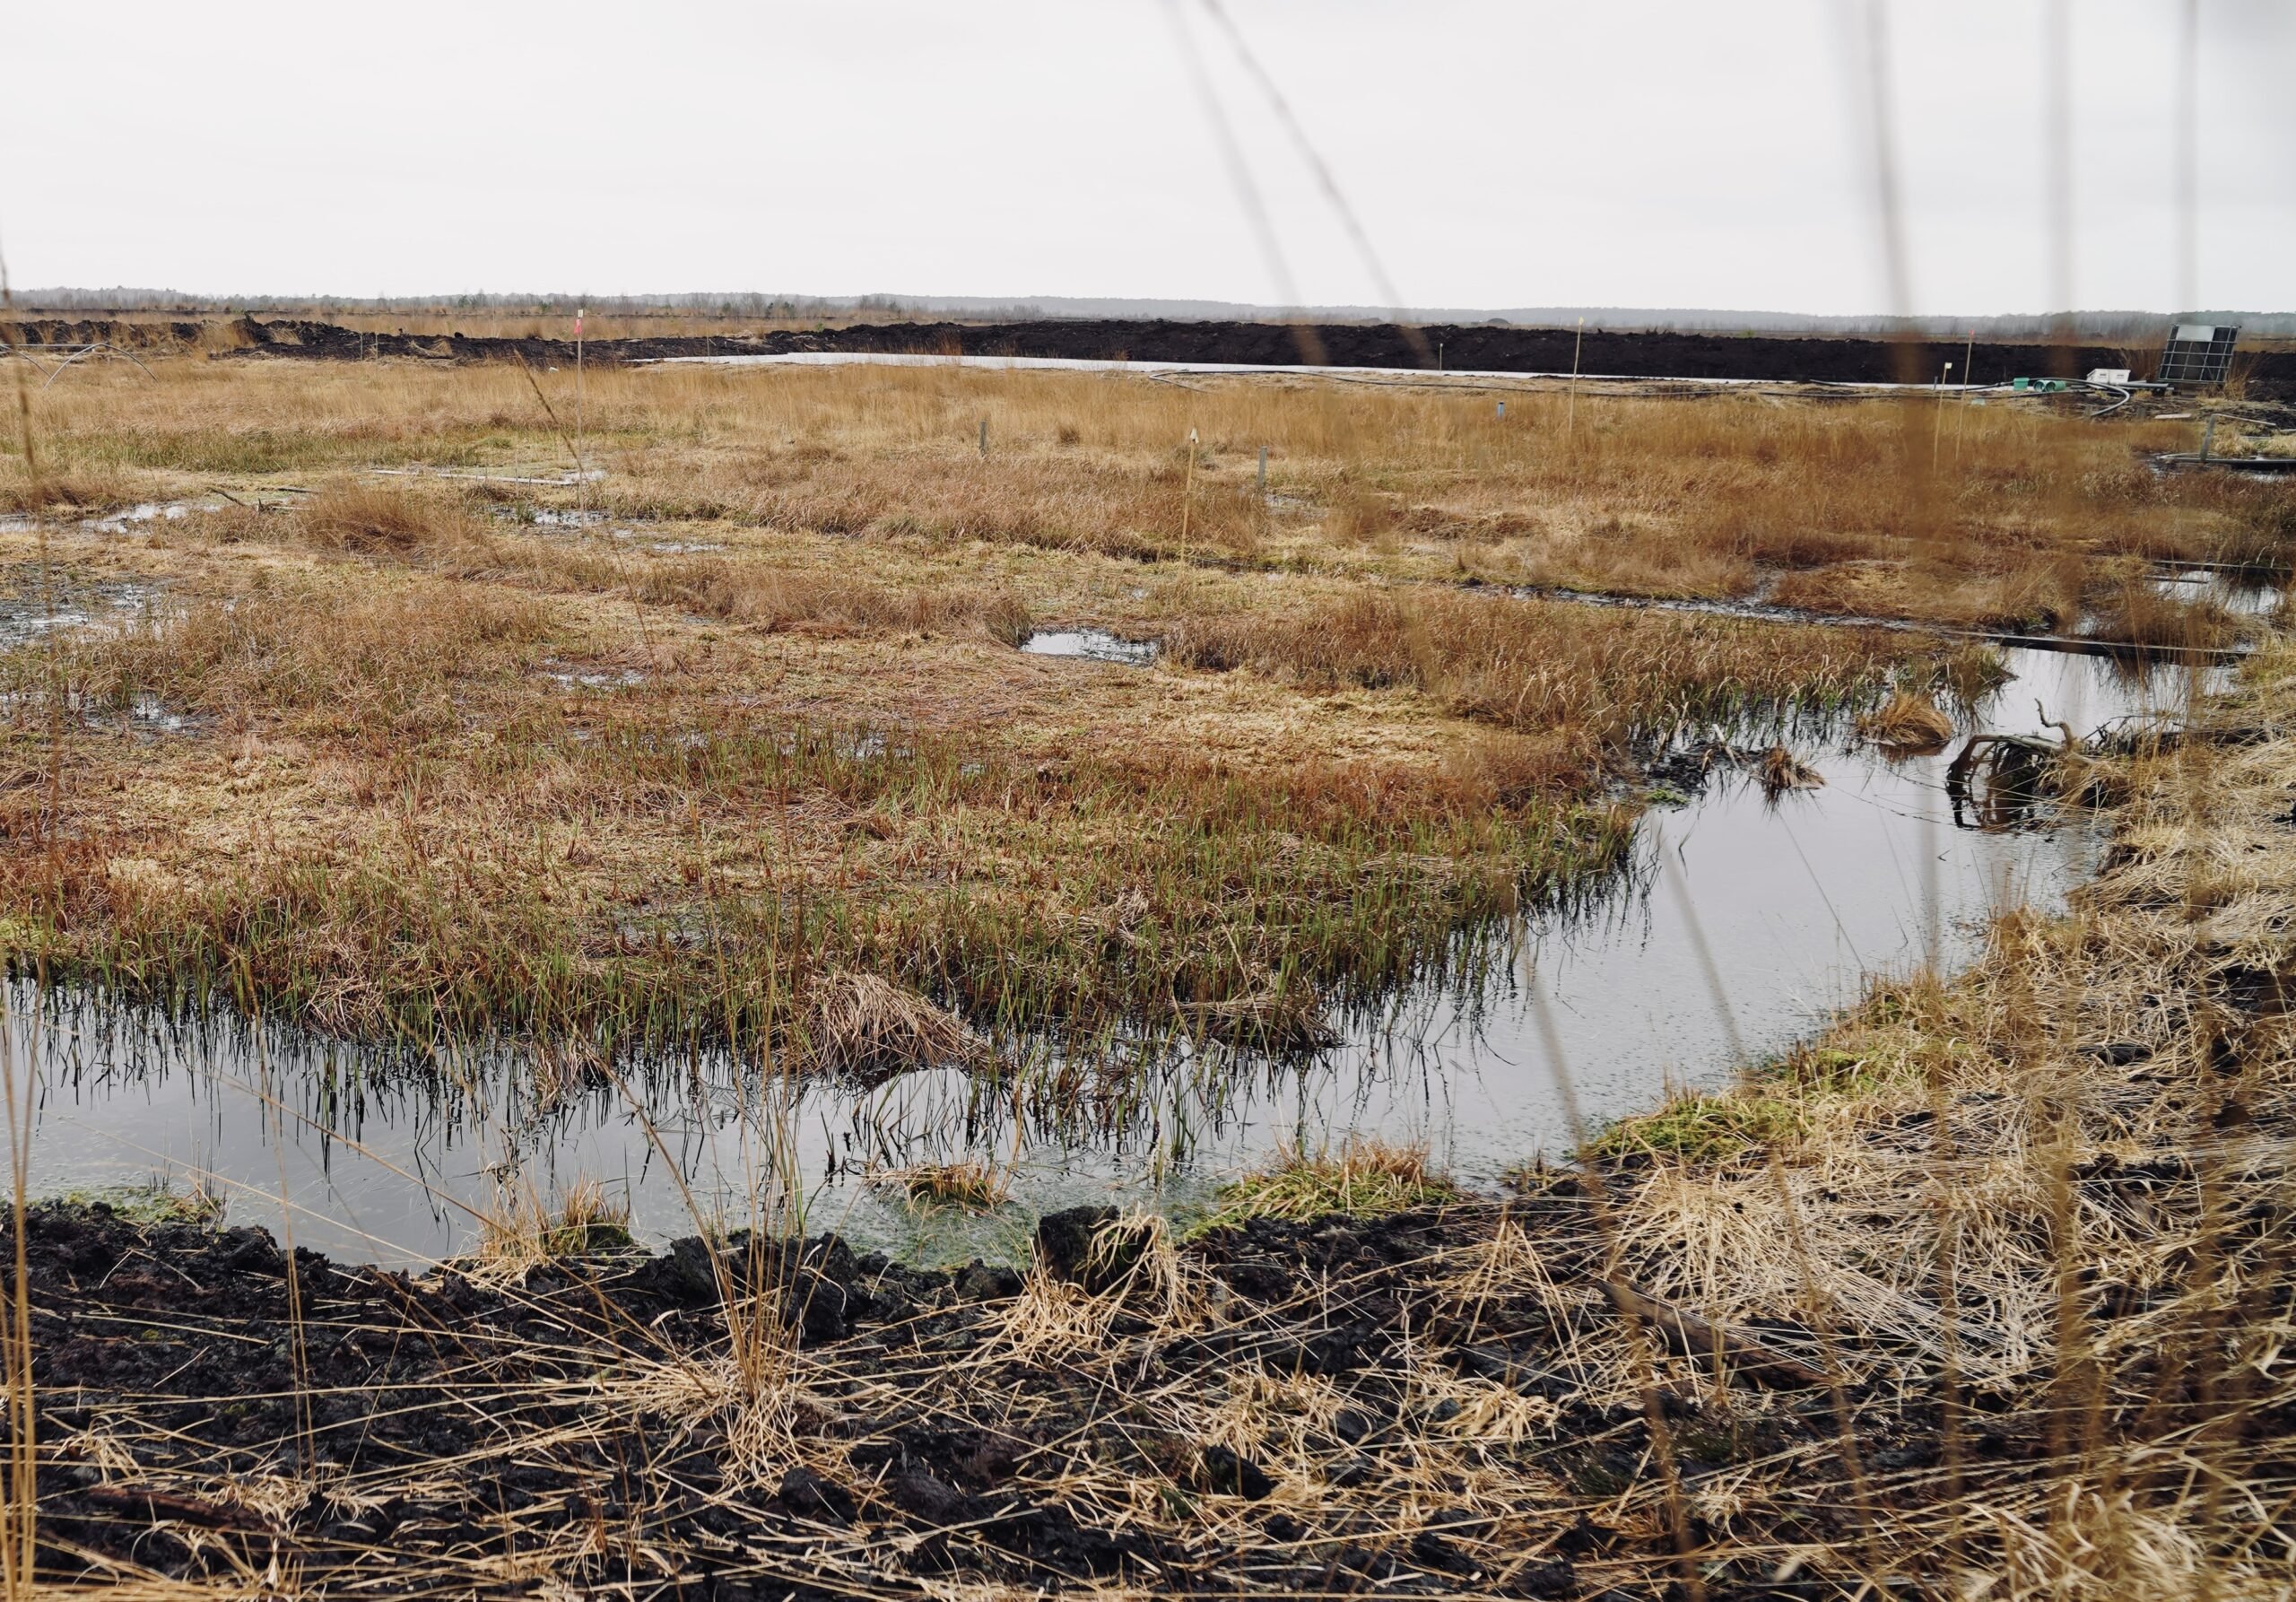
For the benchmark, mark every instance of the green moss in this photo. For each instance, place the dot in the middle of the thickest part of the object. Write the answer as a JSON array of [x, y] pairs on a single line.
[[580, 1239], [1358, 1183], [150, 1205], [1702, 1128], [1829, 1069]]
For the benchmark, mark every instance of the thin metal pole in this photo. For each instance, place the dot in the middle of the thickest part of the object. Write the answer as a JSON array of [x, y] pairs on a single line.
[[1969, 393], [1263, 470], [1937, 433], [2187, 157], [581, 476], [984, 439]]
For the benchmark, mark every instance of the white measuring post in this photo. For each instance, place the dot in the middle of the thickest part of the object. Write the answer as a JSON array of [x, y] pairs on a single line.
[[1937, 432], [1187, 496], [984, 439], [1263, 470], [1503, 411]]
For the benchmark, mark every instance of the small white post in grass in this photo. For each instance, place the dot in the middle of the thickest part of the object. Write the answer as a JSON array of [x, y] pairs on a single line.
[[984, 439], [1937, 433], [1503, 411], [1187, 495], [1263, 470]]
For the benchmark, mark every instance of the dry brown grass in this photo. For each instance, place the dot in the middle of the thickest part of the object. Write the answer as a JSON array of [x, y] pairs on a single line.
[[2139, 612], [774, 599], [979, 1185], [870, 1029], [402, 811], [1652, 495], [1909, 722], [1780, 770], [528, 1233], [70, 491], [2012, 1198], [447, 762], [2027, 1230], [1528, 667], [378, 520]]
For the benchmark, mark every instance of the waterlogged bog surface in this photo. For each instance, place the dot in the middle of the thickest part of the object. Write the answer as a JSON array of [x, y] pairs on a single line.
[[1751, 918]]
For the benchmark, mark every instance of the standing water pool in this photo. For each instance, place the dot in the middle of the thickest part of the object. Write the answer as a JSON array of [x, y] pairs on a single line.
[[1754, 920]]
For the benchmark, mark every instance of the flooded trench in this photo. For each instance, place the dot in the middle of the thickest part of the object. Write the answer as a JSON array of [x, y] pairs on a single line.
[[1795, 901]]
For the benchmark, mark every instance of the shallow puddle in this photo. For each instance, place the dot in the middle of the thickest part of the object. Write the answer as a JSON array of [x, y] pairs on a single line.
[[74, 602], [569, 677], [1093, 645], [1751, 922], [135, 519], [2229, 588]]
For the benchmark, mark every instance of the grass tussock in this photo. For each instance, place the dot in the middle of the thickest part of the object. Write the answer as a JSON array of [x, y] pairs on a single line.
[[2139, 613], [1695, 1126], [1909, 722], [872, 1029], [977, 1186], [70, 490], [530, 1234], [344, 653], [384, 520], [155, 1204], [1365, 1178], [1780, 771]]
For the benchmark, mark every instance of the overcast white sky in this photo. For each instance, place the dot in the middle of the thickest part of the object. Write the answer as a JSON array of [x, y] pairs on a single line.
[[1625, 152]]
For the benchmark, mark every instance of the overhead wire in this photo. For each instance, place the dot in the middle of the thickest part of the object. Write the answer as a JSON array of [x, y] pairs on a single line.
[[1247, 187], [1325, 179]]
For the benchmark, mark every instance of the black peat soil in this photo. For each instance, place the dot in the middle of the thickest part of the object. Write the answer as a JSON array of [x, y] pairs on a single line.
[[1445, 1402], [410, 1435], [1468, 347]]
